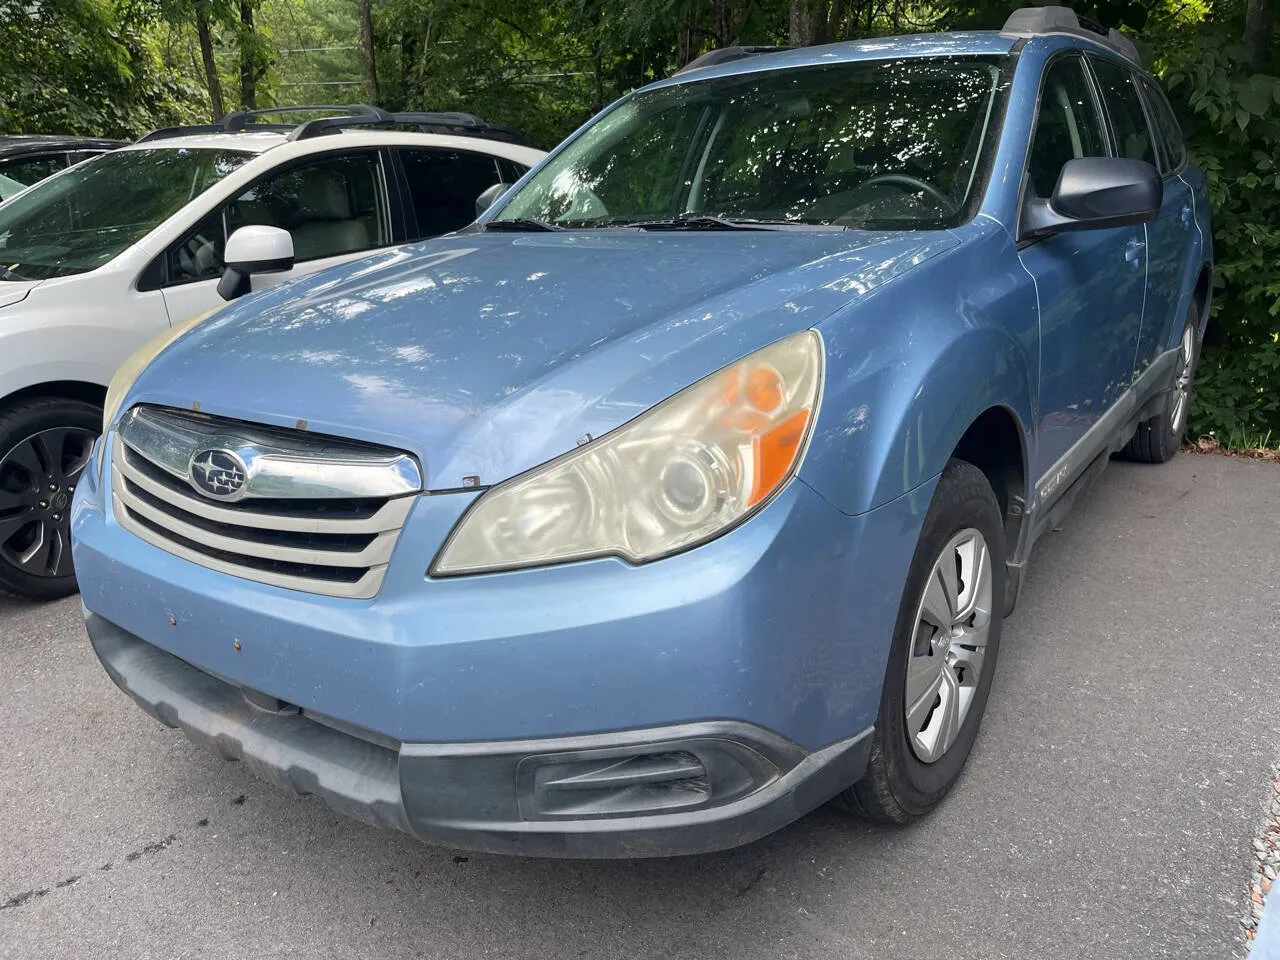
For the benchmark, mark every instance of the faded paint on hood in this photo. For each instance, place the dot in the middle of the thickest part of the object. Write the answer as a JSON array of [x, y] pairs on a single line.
[[485, 354]]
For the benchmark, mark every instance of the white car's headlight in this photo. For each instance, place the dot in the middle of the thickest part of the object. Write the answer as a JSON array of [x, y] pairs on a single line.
[[137, 362], [676, 476]]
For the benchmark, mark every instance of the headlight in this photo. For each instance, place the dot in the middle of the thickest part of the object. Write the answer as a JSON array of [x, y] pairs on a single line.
[[676, 476], [131, 368]]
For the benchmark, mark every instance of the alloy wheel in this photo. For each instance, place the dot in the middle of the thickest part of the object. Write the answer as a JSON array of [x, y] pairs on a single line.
[[948, 648], [37, 480]]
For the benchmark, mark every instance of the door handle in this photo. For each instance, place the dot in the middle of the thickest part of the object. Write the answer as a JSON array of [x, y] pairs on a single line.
[[1133, 251], [1185, 215]]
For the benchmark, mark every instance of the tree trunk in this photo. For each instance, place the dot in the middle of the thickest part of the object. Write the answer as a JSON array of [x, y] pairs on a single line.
[[210, 64], [807, 22], [1259, 22], [248, 58], [685, 50], [422, 59], [366, 51], [723, 23]]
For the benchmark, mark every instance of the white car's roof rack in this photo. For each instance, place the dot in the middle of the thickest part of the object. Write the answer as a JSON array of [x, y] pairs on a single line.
[[344, 115], [1038, 21]]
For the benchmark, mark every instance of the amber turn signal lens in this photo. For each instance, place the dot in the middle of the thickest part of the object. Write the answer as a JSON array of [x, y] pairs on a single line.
[[775, 453]]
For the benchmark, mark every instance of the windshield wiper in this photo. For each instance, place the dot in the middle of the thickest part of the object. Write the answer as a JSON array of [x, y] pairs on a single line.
[[8, 273], [521, 224], [702, 221]]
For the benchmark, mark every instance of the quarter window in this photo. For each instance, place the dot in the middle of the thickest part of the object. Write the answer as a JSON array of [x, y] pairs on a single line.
[[1068, 126], [1128, 122]]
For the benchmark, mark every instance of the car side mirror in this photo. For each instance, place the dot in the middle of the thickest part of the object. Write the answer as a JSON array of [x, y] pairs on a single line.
[[490, 197], [1095, 192], [251, 250]]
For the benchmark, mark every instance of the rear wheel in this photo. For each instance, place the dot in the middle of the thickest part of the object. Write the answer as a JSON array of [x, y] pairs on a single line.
[[1158, 438], [943, 654], [44, 446]]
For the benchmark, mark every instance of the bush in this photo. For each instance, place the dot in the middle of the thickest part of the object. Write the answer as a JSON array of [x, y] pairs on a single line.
[[1232, 121]]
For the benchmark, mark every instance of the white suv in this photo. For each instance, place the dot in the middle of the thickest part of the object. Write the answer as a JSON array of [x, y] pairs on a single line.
[[97, 259]]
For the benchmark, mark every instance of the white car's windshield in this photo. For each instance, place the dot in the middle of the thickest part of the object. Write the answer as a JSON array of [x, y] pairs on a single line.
[[83, 218], [891, 143]]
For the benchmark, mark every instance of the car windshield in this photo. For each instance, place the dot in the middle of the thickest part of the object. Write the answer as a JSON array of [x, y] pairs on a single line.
[[885, 143], [79, 220]]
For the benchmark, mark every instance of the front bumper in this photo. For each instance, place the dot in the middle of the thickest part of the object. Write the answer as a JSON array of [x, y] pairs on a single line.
[[689, 788], [733, 683]]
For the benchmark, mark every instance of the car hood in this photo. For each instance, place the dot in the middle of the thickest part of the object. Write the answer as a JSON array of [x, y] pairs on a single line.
[[485, 354], [15, 291]]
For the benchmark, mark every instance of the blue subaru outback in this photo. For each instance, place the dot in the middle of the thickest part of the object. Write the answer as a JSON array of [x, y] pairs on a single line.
[[687, 489]]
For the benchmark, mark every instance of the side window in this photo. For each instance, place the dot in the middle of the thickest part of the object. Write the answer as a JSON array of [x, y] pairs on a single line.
[[199, 256], [32, 169], [1128, 122], [1172, 149], [1068, 126], [331, 206], [444, 185]]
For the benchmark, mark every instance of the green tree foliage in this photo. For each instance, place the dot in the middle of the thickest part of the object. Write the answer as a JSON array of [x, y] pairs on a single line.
[[85, 66], [121, 66], [1231, 115]]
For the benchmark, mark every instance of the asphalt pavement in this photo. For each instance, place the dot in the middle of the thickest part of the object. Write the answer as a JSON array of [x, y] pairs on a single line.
[[1108, 810]]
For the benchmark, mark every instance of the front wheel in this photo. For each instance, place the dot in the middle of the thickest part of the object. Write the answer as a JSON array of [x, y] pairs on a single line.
[[44, 446], [942, 656]]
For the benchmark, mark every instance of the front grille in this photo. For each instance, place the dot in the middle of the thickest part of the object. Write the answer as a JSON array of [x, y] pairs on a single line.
[[334, 545]]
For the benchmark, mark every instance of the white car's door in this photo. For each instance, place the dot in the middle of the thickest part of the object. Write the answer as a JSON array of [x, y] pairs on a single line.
[[335, 207]]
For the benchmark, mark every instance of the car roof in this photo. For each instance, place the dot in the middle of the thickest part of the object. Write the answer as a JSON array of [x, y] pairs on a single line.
[[11, 144], [967, 43], [261, 141]]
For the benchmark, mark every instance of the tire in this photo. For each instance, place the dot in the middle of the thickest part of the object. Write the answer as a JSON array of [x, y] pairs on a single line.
[[44, 445], [1159, 437], [906, 778]]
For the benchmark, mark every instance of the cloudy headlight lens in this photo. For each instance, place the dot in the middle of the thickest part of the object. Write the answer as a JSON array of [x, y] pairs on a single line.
[[683, 472]]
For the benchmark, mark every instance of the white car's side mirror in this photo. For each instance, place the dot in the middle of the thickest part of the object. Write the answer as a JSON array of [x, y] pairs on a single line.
[[250, 250]]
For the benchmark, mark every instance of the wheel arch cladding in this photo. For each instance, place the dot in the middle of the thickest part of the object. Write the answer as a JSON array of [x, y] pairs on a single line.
[[995, 443], [91, 393]]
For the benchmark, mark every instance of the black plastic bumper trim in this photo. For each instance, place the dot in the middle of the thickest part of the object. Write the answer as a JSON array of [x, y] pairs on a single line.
[[468, 795]]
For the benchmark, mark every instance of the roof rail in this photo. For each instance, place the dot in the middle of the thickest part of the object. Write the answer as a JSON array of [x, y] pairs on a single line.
[[726, 55], [348, 115], [1036, 21], [456, 124], [238, 120]]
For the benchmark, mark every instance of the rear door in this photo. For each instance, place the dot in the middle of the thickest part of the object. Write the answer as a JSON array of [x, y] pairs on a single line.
[[335, 207], [1170, 238], [1089, 283]]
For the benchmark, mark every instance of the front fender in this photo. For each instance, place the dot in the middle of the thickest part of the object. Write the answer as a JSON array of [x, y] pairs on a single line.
[[902, 388]]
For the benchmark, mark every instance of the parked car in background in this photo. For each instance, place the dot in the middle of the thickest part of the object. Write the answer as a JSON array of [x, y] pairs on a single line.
[[10, 188], [96, 261], [688, 488], [30, 158]]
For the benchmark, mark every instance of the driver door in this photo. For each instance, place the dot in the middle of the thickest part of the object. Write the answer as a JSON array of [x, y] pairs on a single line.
[[1090, 286], [335, 207]]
